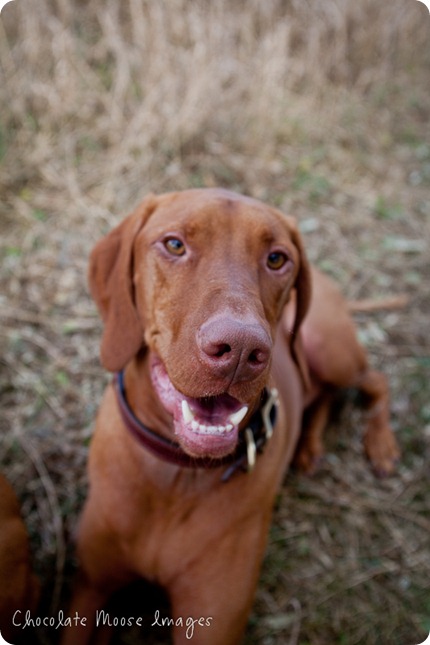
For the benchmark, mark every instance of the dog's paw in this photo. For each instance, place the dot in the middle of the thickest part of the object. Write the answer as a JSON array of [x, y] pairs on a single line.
[[382, 451], [308, 459]]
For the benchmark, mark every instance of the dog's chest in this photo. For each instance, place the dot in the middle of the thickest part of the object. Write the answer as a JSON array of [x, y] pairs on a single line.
[[171, 530]]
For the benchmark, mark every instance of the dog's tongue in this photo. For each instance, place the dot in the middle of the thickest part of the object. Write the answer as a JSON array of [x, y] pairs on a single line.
[[205, 427]]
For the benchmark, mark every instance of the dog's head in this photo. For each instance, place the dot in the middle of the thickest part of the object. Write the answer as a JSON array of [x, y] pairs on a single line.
[[200, 277]]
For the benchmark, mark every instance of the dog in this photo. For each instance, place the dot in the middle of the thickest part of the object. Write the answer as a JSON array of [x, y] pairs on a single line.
[[221, 336], [19, 590]]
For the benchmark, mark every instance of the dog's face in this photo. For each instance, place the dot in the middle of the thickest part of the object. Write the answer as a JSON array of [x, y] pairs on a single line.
[[208, 273]]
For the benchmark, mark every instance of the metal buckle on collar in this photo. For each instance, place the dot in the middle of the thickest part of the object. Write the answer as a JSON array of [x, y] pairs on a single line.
[[272, 400], [251, 446], [255, 443], [251, 449]]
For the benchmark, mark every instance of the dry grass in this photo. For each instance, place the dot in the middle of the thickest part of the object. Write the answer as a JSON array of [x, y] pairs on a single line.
[[320, 108]]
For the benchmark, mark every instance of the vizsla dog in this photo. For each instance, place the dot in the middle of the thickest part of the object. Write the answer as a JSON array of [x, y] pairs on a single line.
[[19, 588], [219, 348]]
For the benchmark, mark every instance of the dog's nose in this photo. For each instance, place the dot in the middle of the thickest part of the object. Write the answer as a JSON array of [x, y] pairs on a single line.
[[233, 348]]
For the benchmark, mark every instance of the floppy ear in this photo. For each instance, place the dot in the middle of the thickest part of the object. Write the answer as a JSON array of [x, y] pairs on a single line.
[[111, 285], [303, 289]]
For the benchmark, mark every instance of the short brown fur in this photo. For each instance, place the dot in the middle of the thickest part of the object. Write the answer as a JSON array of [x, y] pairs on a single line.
[[19, 589], [201, 539]]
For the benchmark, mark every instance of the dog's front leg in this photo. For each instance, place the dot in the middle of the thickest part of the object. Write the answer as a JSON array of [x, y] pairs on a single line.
[[211, 601]]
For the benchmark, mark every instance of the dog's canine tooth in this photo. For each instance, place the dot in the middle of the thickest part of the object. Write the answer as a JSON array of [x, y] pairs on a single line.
[[187, 412], [238, 416]]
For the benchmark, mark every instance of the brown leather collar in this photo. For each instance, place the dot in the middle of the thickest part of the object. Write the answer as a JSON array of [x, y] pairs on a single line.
[[251, 441]]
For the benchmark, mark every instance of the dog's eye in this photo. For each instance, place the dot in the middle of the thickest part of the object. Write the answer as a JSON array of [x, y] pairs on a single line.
[[276, 260], [175, 246]]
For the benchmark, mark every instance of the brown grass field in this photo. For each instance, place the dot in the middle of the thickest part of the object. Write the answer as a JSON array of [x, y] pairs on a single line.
[[320, 108]]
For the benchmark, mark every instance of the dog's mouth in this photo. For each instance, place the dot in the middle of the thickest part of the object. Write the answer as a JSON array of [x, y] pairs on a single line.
[[206, 426]]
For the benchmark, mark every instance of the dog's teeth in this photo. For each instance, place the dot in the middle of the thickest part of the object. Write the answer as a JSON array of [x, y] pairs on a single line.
[[187, 412], [238, 416], [199, 428]]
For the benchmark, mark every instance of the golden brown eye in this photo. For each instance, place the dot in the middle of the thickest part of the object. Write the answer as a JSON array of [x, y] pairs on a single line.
[[276, 260], [175, 246]]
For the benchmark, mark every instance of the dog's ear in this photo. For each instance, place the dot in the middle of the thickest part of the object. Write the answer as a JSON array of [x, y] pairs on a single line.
[[303, 293], [111, 285]]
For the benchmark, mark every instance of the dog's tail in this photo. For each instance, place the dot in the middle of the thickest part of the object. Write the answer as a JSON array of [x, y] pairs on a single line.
[[367, 305]]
